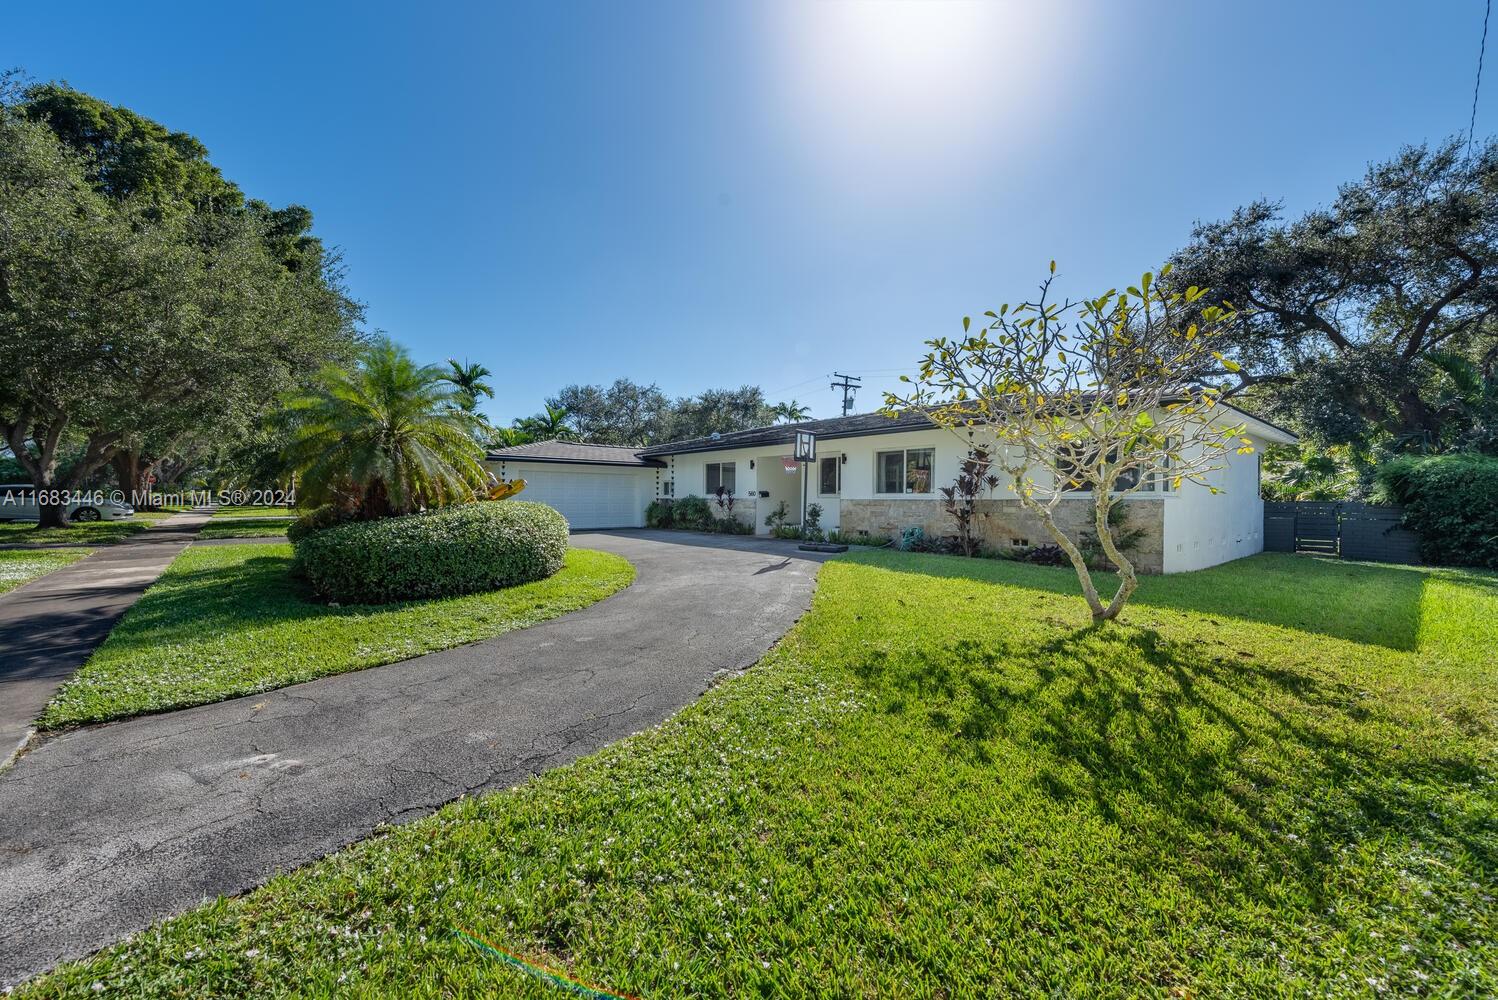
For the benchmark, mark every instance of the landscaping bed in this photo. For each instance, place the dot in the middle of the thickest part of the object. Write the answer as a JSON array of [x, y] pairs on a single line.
[[1275, 778], [18, 567], [228, 620]]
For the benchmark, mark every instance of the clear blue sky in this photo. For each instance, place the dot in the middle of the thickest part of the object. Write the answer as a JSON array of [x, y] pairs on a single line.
[[702, 194]]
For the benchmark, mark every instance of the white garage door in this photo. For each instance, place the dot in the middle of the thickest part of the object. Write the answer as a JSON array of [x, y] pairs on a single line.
[[587, 499]]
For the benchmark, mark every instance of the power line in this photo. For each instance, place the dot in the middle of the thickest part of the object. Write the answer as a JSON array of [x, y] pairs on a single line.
[[849, 384], [1481, 54], [814, 378]]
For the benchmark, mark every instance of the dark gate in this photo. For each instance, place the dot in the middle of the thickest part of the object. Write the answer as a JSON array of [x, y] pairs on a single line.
[[1350, 530]]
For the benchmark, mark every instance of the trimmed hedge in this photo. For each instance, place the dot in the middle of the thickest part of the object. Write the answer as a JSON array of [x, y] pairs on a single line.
[[457, 550], [315, 520], [1451, 501]]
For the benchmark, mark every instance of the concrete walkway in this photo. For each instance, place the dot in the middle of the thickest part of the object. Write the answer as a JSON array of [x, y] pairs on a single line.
[[49, 626], [106, 830]]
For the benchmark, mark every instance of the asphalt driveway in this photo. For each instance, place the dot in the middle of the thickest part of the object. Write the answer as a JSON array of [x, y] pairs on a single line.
[[107, 829]]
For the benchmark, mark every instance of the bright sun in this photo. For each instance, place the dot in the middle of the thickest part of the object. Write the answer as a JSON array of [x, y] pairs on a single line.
[[902, 79]]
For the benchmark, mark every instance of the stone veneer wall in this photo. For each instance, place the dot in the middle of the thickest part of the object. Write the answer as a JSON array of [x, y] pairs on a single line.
[[743, 509], [1005, 524]]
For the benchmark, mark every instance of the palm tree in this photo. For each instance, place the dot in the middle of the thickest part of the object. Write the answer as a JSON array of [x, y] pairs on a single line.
[[548, 425], [469, 378], [791, 412], [389, 437], [1468, 402], [506, 437]]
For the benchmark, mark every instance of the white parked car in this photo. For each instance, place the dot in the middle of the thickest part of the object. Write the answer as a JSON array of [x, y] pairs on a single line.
[[18, 503]]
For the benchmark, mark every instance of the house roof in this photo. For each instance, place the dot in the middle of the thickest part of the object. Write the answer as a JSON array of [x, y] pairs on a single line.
[[858, 425], [863, 424], [833, 427], [573, 453]]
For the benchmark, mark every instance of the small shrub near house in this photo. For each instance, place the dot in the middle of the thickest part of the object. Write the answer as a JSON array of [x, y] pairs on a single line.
[[693, 513], [1451, 501], [855, 538], [459, 550], [659, 514]]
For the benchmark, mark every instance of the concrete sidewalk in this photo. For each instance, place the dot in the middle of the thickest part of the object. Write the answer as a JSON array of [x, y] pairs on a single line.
[[49, 627]]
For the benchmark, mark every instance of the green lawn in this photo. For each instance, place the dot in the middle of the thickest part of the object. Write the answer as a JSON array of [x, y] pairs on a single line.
[[240, 527], [254, 510], [18, 567], [90, 533], [227, 620], [1276, 778]]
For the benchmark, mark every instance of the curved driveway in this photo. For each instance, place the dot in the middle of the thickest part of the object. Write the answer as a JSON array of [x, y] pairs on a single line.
[[107, 829]]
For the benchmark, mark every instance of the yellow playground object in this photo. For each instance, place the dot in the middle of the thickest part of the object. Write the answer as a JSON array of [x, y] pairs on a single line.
[[502, 491]]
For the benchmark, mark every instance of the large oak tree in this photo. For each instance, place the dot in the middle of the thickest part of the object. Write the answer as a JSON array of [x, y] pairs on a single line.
[[1346, 314], [143, 301]]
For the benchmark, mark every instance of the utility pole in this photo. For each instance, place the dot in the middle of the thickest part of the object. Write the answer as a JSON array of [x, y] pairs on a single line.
[[849, 384]]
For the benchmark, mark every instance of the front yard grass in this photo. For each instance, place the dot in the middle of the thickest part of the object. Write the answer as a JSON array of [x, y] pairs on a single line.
[[246, 527], [227, 620], [1275, 778], [83, 532], [18, 567], [254, 510]]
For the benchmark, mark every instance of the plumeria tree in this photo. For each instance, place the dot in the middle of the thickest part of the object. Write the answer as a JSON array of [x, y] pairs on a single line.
[[1086, 401]]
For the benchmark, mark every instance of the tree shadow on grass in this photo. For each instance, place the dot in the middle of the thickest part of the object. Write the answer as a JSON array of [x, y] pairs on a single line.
[[1369, 603], [1244, 779]]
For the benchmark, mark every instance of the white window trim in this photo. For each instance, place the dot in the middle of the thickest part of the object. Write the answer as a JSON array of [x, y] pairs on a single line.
[[905, 471], [734, 465], [830, 458]]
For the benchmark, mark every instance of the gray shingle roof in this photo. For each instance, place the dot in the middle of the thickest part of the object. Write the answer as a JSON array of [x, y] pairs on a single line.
[[575, 452], [833, 427], [858, 425]]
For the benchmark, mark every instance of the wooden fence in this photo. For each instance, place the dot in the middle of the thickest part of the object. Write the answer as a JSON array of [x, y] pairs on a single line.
[[1349, 530]]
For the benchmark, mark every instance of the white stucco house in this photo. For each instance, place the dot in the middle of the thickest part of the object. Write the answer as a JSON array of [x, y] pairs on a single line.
[[875, 475]]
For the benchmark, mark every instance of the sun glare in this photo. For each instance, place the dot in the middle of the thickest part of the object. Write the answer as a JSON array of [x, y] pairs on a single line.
[[901, 80]]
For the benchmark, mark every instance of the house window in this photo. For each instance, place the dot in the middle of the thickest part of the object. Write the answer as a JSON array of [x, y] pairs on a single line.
[[1161, 481], [830, 476], [908, 471], [668, 488], [1069, 460], [721, 474], [1070, 457]]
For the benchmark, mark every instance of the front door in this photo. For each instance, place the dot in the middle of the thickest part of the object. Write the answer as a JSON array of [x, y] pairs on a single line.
[[829, 489]]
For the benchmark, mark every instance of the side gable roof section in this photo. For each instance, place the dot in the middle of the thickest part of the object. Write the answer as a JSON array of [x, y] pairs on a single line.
[[864, 424], [1273, 433], [574, 453]]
